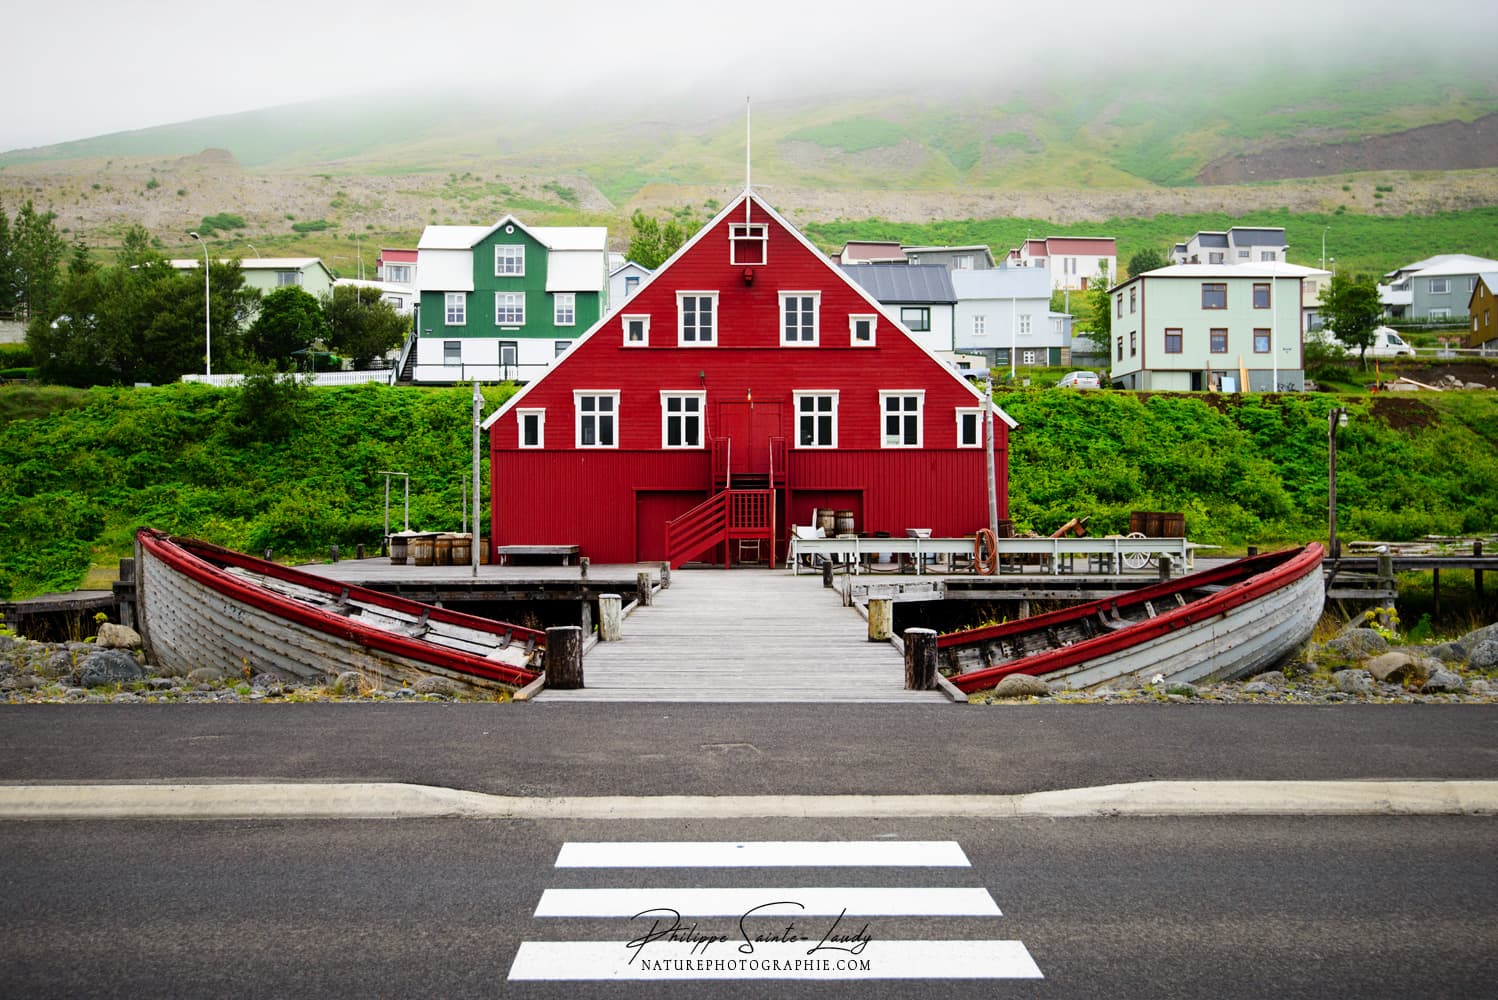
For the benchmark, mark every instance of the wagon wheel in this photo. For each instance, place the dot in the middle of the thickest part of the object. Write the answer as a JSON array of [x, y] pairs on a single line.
[[1136, 560]]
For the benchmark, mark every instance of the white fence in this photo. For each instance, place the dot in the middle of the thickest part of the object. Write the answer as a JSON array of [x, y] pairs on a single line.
[[1052, 555], [320, 378]]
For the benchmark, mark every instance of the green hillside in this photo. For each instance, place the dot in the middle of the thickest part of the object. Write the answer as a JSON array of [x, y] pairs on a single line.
[[78, 476]]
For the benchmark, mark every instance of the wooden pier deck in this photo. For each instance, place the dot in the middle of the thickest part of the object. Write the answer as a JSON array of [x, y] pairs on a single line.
[[744, 635]]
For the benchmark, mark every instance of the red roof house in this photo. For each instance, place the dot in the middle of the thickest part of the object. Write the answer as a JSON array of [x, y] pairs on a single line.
[[747, 384]]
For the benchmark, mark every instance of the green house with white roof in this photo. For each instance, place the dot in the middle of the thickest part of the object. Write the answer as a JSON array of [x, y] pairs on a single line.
[[501, 302]]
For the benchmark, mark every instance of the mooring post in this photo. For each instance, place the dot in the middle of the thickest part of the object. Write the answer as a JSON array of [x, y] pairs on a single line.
[[827, 573], [642, 587], [1164, 566], [359, 551], [582, 567], [665, 576], [564, 657], [267, 555], [124, 593], [1477, 573], [333, 552], [587, 617], [610, 607], [881, 618], [920, 659], [1253, 550]]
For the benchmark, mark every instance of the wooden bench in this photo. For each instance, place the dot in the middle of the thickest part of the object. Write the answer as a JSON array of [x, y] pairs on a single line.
[[564, 552]]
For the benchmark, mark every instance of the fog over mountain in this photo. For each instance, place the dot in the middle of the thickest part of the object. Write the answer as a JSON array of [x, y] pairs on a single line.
[[97, 69]]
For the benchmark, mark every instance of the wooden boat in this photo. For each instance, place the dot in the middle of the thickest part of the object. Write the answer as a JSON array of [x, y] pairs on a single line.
[[200, 605], [1230, 621]]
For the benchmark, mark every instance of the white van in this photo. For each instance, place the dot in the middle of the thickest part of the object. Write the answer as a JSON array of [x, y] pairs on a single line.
[[1386, 343]]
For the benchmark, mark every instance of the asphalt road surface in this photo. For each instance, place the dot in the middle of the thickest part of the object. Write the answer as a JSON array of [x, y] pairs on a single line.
[[941, 906]]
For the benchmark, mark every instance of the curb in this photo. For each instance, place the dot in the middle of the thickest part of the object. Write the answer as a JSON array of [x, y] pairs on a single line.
[[406, 801]]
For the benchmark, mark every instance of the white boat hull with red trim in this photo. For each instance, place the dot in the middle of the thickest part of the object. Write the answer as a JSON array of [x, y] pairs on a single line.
[[200, 605], [1220, 624]]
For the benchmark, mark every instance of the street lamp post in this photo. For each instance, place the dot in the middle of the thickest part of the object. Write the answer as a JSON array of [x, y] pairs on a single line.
[[1335, 418], [207, 310], [1323, 246]]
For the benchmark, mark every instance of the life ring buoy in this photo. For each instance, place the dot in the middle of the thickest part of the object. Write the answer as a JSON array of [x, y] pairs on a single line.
[[985, 557]]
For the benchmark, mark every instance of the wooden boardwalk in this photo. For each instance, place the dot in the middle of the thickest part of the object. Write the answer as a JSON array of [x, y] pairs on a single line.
[[744, 635]]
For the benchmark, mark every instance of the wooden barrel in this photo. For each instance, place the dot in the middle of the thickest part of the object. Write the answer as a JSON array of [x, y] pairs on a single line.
[[462, 549], [827, 521], [843, 521], [442, 550], [398, 548], [423, 549]]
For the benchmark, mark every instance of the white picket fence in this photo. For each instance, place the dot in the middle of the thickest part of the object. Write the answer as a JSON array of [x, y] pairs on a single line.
[[320, 378]]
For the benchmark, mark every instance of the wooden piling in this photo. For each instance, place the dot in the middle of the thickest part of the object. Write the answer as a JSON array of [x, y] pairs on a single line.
[[1164, 566], [920, 659], [564, 657], [610, 608], [881, 618], [827, 573], [582, 567], [642, 588], [665, 576], [1477, 573]]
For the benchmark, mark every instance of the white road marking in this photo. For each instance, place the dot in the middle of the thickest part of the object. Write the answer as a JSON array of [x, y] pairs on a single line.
[[895, 901], [764, 854], [595, 960]]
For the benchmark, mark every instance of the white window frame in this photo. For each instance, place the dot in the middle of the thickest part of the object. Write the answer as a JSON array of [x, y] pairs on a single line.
[[398, 274], [1440, 313], [748, 234], [1029, 358], [448, 352], [1440, 286], [560, 347], [1244, 253], [872, 320], [681, 319], [455, 308], [898, 440], [631, 284], [509, 309], [513, 348], [699, 415], [815, 415], [579, 414], [624, 324], [564, 309], [520, 418], [1024, 323], [800, 339], [980, 325], [1269, 256], [977, 413], [925, 318], [509, 260]]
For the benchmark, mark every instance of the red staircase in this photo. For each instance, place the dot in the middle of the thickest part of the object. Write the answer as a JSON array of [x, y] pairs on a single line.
[[723, 519]]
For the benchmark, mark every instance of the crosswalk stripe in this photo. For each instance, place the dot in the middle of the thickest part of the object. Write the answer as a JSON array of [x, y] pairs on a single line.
[[605, 960], [764, 854], [775, 901]]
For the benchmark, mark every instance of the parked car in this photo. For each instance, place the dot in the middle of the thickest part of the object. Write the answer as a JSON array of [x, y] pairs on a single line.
[[1386, 343], [1079, 380]]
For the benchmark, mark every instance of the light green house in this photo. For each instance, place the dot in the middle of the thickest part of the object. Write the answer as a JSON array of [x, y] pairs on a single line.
[[1201, 327], [502, 302], [266, 274]]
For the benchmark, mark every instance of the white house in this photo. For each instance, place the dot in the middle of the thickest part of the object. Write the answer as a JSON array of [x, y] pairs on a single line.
[[1070, 261], [1437, 288], [1238, 245], [1006, 312], [625, 278]]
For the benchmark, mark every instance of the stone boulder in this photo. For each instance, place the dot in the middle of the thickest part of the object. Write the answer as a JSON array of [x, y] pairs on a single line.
[[107, 666], [205, 675], [112, 636], [1446, 652], [351, 682], [1484, 654], [436, 685], [1273, 679], [1397, 667], [1443, 681], [1358, 644], [1356, 682], [1478, 635], [1021, 686]]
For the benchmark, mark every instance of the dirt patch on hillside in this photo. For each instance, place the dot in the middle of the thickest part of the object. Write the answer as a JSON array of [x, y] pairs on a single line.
[[1404, 412], [1447, 146]]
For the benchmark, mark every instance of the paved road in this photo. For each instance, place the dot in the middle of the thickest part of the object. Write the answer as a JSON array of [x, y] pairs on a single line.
[[744, 749], [1117, 908], [1104, 907]]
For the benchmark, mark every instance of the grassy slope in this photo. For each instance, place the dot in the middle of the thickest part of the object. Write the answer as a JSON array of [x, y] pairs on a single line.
[[79, 471]]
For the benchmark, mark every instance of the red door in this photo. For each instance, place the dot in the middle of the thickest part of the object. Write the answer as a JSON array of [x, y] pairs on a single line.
[[749, 426]]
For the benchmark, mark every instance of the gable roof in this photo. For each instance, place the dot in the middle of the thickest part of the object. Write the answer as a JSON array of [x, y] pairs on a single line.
[[552, 237], [738, 205], [1093, 246], [916, 283]]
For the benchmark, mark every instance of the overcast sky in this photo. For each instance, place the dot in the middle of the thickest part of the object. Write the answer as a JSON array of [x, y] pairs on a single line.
[[80, 68]]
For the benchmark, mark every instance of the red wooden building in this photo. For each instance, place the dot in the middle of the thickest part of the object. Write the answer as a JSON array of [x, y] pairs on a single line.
[[745, 385]]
